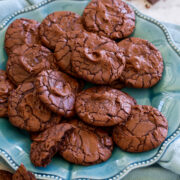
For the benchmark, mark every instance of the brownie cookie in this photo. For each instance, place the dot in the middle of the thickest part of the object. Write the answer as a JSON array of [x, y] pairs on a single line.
[[22, 174], [63, 51], [56, 24], [145, 129], [37, 58], [16, 73], [21, 31], [48, 143], [103, 106], [26, 111], [114, 19], [57, 91], [97, 59], [25, 65], [86, 145], [5, 88], [144, 63], [5, 175]]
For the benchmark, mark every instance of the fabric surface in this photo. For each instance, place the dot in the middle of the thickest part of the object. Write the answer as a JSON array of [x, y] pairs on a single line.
[[171, 158]]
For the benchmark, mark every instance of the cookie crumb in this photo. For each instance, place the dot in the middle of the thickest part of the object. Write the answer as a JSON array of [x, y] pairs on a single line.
[[147, 6]]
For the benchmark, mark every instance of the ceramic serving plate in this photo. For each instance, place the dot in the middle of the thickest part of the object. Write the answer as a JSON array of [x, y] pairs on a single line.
[[15, 144]]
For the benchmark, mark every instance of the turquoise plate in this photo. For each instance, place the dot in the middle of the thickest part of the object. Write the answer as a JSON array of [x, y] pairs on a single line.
[[15, 144]]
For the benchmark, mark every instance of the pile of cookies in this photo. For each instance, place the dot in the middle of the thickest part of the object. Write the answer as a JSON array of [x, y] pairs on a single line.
[[44, 89]]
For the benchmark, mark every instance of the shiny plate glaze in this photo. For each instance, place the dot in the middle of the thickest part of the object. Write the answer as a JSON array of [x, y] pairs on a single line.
[[15, 144]]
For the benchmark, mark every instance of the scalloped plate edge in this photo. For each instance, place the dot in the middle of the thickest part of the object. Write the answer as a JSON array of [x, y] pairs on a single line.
[[130, 167]]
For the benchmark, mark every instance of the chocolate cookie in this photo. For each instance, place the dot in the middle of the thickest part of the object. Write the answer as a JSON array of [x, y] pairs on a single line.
[[103, 106], [5, 175], [37, 58], [86, 145], [97, 59], [114, 19], [5, 88], [144, 63], [56, 24], [57, 91], [26, 111], [25, 65], [48, 143], [23, 174], [16, 73], [21, 31], [145, 129], [63, 51]]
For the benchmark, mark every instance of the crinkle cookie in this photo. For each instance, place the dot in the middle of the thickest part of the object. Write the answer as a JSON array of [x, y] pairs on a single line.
[[26, 111], [111, 18], [145, 129], [103, 106]]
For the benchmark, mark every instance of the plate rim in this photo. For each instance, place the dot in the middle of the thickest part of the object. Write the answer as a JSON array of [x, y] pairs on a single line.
[[131, 166]]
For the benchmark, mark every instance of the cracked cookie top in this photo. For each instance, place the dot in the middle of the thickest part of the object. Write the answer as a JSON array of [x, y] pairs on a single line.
[[97, 59], [5, 88], [103, 106], [23, 66], [37, 58], [63, 51], [145, 129], [26, 111], [21, 31], [111, 18], [144, 63], [16, 73], [86, 145], [56, 24], [57, 91]]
